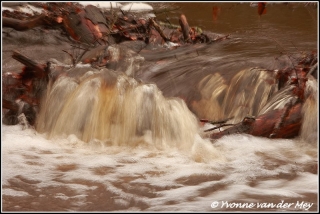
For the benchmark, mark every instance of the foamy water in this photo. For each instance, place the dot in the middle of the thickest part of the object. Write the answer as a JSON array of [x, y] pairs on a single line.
[[102, 4], [90, 171], [104, 141], [67, 174]]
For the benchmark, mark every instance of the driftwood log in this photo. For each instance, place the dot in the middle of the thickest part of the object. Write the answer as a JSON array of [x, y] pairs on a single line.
[[280, 123], [22, 25]]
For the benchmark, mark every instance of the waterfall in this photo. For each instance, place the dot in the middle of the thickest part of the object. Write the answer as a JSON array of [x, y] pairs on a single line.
[[114, 108], [309, 129], [246, 94]]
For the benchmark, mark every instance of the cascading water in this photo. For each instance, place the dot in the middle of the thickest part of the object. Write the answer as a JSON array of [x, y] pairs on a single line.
[[253, 92], [310, 129], [246, 94], [107, 142], [112, 107]]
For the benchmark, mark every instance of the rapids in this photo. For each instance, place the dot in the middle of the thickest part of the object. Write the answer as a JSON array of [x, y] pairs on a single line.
[[128, 138]]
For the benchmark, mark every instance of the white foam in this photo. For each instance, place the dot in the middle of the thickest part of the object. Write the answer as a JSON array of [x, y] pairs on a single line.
[[137, 7], [12, 192], [102, 4], [27, 8], [170, 174], [7, 8]]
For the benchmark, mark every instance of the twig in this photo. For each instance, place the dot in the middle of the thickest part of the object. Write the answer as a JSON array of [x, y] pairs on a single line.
[[216, 122], [294, 68], [72, 58], [81, 55], [157, 27], [313, 69], [218, 127]]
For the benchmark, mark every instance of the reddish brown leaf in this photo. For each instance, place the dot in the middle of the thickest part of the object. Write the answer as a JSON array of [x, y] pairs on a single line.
[[262, 8], [215, 12]]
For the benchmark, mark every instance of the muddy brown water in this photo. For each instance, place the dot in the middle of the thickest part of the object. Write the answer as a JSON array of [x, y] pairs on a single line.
[[235, 173]]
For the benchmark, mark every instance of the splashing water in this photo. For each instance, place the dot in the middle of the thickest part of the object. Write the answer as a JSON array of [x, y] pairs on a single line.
[[111, 143], [116, 109], [246, 94], [310, 129], [253, 92], [107, 142]]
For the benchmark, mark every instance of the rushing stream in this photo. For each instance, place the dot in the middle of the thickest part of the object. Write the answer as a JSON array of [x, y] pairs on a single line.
[[130, 139]]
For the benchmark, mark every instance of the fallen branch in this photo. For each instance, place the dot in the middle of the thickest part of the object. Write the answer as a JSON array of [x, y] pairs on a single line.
[[37, 69], [218, 127], [22, 25], [184, 27], [243, 127], [157, 27]]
